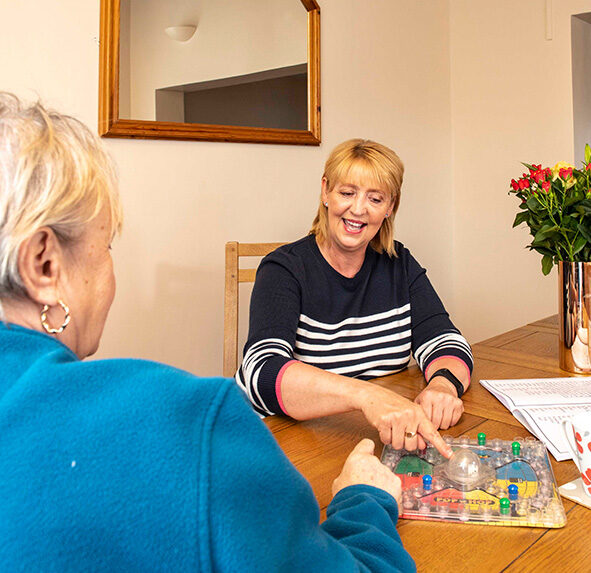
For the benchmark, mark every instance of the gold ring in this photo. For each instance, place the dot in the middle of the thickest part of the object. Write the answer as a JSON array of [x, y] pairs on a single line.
[[410, 434]]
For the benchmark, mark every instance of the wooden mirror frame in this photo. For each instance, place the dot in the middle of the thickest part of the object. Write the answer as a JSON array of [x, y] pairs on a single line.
[[110, 125]]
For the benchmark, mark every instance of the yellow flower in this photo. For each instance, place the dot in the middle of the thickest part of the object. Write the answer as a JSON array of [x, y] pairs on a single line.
[[556, 172], [560, 165]]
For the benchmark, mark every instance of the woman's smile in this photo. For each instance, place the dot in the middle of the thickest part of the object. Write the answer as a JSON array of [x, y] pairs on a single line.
[[353, 226]]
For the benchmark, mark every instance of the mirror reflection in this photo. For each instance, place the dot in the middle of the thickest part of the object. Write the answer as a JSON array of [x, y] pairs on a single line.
[[222, 62]]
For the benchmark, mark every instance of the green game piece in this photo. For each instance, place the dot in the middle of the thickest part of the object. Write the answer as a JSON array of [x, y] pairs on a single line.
[[481, 439], [516, 447], [505, 506]]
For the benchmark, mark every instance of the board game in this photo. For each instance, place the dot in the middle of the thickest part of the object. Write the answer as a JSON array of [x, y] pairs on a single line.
[[496, 482]]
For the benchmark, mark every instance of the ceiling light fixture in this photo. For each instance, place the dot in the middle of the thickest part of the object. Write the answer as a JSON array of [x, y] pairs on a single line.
[[180, 33]]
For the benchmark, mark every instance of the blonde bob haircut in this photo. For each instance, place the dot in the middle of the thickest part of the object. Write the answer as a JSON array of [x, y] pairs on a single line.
[[371, 162], [54, 172]]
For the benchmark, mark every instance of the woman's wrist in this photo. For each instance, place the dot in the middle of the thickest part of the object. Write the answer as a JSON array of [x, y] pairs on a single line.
[[443, 384], [452, 365], [360, 393], [448, 375]]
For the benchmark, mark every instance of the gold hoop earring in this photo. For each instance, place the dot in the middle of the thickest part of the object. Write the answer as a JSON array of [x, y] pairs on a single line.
[[45, 324]]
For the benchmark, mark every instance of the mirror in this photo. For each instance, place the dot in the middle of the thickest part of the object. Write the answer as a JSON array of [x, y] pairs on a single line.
[[215, 70]]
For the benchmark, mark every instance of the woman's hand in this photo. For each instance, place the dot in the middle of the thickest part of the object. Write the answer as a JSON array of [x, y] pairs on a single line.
[[362, 467], [400, 422], [441, 404]]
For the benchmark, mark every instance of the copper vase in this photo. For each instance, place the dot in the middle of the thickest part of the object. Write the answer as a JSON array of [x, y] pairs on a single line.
[[574, 304]]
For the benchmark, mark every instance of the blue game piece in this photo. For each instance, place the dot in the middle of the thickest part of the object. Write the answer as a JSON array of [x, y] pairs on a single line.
[[512, 489], [427, 481]]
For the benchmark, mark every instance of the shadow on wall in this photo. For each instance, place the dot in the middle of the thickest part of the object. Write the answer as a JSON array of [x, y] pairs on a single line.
[[189, 328], [178, 322], [170, 313]]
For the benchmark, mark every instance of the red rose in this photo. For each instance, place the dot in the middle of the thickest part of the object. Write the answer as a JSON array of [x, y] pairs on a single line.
[[546, 186], [523, 184], [566, 173], [538, 176], [515, 185]]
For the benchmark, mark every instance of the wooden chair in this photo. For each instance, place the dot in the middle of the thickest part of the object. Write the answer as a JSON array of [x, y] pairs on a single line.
[[234, 276]]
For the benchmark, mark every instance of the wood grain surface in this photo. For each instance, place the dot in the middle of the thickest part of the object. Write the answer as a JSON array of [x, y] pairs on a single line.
[[318, 448]]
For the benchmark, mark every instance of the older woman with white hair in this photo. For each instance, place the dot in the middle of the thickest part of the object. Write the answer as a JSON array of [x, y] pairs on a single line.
[[129, 465], [347, 304]]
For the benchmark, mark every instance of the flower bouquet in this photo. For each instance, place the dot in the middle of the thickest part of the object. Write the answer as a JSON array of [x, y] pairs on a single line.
[[556, 206]]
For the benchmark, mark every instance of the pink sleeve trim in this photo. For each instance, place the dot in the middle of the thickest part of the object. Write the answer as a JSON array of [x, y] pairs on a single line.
[[278, 384], [453, 358]]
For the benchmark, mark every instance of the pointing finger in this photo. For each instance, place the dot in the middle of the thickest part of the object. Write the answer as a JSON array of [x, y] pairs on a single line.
[[429, 432]]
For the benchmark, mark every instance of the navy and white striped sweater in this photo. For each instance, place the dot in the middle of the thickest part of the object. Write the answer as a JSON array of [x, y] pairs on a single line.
[[366, 326]]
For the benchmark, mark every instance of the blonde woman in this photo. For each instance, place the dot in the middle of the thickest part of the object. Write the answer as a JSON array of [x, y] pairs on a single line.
[[129, 465], [347, 304]]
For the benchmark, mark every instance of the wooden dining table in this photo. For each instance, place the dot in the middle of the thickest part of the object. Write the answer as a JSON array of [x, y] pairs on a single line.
[[318, 448]]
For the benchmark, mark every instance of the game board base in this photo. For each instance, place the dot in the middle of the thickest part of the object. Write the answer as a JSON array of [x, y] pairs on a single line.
[[508, 483]]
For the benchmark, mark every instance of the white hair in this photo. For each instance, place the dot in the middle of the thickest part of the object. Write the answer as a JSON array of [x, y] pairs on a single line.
[[54, 172]]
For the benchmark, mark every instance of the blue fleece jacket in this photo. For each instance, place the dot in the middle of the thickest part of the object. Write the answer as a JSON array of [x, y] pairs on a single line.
[[130, 465]]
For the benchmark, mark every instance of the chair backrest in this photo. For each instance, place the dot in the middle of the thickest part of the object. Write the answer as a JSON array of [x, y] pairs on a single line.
[[234, 276]]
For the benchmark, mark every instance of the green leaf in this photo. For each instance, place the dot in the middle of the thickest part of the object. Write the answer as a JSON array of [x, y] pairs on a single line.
[[521, 218], [585, 232], [541, 244], [537, 219], [547, 264], [587, 153], [579, 243], [542, 250], [569, 223], [533, 205], [574, 197], [546, 231], [584, 207]]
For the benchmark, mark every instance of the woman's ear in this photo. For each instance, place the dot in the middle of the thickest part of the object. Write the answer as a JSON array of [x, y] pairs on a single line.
[[324, 194], [40, 260], [391, 207]]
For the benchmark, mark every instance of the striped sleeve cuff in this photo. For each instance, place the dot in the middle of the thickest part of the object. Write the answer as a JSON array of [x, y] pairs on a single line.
[[278, 385], [259, 376], [447, 344]]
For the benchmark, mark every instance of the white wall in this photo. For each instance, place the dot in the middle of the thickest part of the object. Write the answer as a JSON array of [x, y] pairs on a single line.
[[581, 54], [461, 130], [511, 102]]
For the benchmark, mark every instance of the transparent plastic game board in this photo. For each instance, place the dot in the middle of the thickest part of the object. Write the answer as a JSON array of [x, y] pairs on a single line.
[[494, 482]]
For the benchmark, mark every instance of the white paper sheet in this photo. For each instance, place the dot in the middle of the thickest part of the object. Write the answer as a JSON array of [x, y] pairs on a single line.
[[542, 404]]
